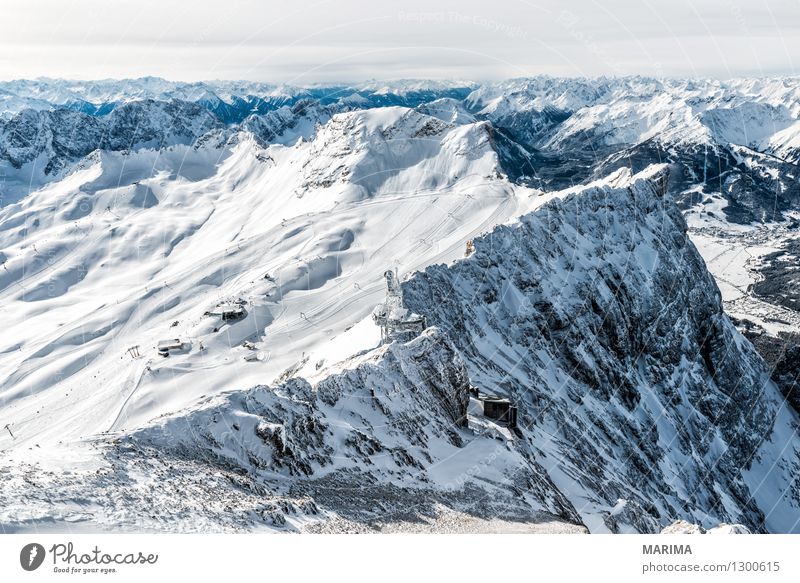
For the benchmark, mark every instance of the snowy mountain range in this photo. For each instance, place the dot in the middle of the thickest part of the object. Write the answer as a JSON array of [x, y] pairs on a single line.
[[624, 236]]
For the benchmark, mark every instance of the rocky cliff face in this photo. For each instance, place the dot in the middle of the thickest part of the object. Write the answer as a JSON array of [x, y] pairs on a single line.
[[396, 401], [384, 440], [597, 315]]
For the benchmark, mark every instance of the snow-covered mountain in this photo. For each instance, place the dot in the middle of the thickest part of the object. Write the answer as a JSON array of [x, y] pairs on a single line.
[[138, 223], [708, 130], [38, 147], [164, 236], [230, 101], [559, 131]]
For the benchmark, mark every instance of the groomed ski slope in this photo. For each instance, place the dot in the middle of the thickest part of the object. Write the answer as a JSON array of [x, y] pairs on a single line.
[[134, 248]]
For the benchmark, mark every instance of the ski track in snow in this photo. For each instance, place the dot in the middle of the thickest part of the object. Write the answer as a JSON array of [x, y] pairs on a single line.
[[429, 226]]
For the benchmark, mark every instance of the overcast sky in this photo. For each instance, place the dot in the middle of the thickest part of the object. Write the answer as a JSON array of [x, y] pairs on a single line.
[[304, 41]]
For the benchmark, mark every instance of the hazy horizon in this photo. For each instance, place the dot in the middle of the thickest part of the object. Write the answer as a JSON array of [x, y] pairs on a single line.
[[455, 82]]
